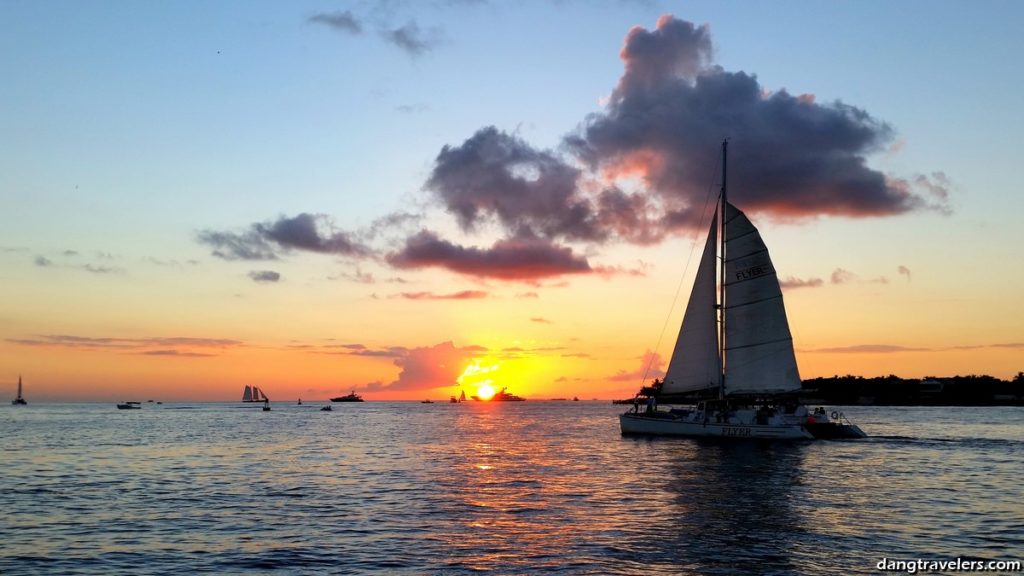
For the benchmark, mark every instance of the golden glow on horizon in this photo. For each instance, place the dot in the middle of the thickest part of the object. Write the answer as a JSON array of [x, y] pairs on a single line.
[[485, 392]]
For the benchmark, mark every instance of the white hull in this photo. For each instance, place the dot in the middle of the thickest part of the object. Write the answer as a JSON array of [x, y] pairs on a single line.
[[662, 426]]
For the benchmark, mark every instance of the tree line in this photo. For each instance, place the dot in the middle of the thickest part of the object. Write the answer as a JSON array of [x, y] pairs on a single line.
[[891, 390]]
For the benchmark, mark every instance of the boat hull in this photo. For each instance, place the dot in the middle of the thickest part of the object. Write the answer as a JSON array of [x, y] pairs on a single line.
[[662, 426], [835, 430]]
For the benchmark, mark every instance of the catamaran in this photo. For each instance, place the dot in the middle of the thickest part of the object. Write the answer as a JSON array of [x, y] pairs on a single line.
[[733, 360]]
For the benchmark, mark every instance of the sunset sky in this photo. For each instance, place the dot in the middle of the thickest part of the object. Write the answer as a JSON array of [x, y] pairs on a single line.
[[320, 197]]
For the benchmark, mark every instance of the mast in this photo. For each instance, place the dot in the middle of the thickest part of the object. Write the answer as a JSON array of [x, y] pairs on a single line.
[[721, 286]]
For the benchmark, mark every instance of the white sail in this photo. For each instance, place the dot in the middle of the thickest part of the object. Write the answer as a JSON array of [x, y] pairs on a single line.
[[695, 363], [247, 395], [759, 357]]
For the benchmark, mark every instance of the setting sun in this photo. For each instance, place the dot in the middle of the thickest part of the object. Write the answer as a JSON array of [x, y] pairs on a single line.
[[485, 392]]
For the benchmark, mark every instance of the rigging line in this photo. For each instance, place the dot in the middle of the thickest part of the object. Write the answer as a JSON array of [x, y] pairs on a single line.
[[679, 287]]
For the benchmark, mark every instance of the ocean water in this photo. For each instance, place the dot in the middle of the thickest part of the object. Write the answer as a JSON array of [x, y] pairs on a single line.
[[512, 488]]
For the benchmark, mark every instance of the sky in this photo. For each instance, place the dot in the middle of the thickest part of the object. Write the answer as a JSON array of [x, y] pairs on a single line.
[[407, 199]]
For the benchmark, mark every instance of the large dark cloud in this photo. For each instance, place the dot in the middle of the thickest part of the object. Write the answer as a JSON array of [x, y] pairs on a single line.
[[266, 240], [497, 176], [789, 156], [524, 258]]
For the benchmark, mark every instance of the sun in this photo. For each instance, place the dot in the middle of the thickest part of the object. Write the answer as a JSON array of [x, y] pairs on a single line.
[[485, 392]]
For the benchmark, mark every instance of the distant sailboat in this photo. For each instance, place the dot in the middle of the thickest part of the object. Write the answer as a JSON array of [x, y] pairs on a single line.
[[734, 354], [19, 401], [253, 394]]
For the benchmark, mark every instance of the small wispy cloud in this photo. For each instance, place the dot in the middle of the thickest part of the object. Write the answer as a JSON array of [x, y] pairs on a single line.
[[841, 276], [791, 282], [340, 21], [413, 40], [463, 295], [264, 276], [541, 320], [151, 346], [43, 261], [904, 271]]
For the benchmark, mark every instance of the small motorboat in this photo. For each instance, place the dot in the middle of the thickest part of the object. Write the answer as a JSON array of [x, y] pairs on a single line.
[[326, 408], [427, 401], [130, 406]]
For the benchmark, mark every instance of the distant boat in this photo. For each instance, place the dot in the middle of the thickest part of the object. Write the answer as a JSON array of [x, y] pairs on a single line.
[[266, 404], [19, 401], [353, 397], [733, 361], [253, 394], [462, 396], [326, 408], [575, 399], [300, 402], [427, 401], [130, 406], [454, 400]]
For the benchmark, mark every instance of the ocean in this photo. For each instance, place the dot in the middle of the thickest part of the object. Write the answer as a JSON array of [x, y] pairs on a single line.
[[505, 488]]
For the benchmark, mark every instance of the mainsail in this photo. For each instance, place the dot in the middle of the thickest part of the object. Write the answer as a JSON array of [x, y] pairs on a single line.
[[759, 357], [247, 395], [695, 363]]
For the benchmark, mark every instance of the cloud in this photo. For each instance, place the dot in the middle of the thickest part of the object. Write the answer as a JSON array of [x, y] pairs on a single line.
[[790, 282], [497, 176], [522, 259], [43, 261], [539, 320], [904, 271], [266, 240], [264, 276], [428, 368], [97, 269], [340, 21], [151, 346], [651, 366], [527, 295], [463, 295], [176, 353], [249, 245], [414, 41], [793, 157], [840, 276], [869, 349]]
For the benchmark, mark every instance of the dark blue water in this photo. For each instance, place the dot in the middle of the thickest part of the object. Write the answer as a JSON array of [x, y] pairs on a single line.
[[529, 487]]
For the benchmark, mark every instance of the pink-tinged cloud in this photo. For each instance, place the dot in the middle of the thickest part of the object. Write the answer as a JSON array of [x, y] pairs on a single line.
[[869, 349], [153, 346], [652, 365], [515, 259], [791, 282], [428, 368], [463, 295], [527, 295], [841, 276]]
